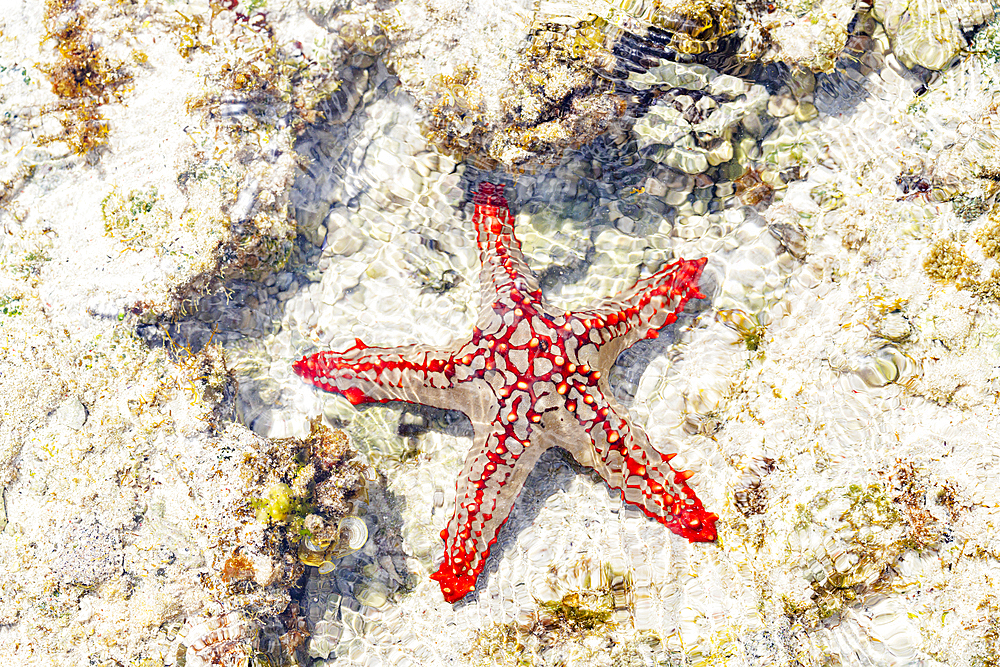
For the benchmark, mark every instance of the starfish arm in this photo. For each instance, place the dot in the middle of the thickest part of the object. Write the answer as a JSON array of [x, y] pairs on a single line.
[[602, 438], [637, 312], [491, 480], [505, 277], [413, 373]]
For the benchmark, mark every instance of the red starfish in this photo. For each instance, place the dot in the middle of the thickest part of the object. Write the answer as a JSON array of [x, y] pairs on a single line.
[[529, 379]]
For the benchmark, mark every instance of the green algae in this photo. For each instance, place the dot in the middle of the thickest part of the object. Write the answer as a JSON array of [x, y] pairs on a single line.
[[562, 626]]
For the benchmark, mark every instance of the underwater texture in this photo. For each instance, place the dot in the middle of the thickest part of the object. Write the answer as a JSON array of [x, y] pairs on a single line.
[[423, 332]]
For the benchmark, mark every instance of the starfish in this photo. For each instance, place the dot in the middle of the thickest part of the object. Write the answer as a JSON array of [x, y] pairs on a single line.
[[529, 379]]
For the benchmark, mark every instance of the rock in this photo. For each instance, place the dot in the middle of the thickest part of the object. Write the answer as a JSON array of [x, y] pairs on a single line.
[[805, 111], [721, 151], [674, 75], [344, 241], [663, 124], [689, 159], [88, 553], [894, 326], [802, 82], [730, 87], [929, 33], [72, 414], [812, 39], [781, 106]]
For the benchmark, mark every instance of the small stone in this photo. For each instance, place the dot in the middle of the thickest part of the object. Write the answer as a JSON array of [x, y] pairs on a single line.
[[792, 237], [676, 197], [755, 126], [685, 102], [663, 124], [706, 105], [371, 594], [675, 75], [732, 170], [343, 242], [720, 121], [655, 188], [721, 152], [688, 160], [746, 150], [879, 369], [310, 221], [625, 225], [72, 414], [780, 106], [894, 326], [727, 86], [755, 100], [805, 111], [803, 83]]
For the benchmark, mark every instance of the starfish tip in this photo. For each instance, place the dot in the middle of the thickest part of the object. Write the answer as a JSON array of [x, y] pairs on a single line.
[[698, 526], [453, 587], [301, 368]]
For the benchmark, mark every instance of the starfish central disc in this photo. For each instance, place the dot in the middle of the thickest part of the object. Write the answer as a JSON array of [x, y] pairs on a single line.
[[529, 379]]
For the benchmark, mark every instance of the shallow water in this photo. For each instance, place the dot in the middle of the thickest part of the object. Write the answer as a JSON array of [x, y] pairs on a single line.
[[387, 255]]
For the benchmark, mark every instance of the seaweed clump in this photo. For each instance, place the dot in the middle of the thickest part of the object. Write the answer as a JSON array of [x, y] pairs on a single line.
[[948, 262], [561, 628], [278, 495], [306, 485], [135, 219], [83, 77]]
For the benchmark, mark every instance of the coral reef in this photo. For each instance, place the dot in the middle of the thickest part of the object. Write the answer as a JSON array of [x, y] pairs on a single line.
[[562, 90]]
